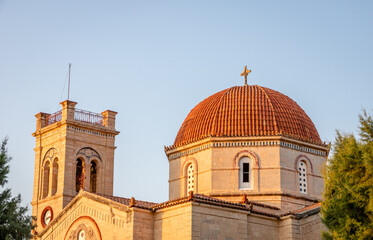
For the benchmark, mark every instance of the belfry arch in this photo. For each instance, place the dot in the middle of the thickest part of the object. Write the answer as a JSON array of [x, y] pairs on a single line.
[[88, 164], [79, 174]]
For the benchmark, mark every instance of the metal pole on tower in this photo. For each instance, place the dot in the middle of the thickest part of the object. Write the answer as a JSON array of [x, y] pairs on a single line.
[[68, 91]]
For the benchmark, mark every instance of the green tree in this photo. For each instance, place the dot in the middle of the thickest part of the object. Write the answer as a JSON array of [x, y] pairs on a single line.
[[14, 221], [347, 209]]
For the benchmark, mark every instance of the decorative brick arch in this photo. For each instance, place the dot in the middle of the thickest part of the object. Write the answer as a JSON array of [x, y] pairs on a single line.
[[190, 160], [88, 154], [79, 227], [305, 159], [246, 153], [50, 155]]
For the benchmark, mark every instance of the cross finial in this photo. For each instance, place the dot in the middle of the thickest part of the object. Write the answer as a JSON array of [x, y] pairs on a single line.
[[245, 73]]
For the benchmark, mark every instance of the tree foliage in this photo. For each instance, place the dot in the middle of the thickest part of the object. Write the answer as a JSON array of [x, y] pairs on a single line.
[[14, 221], [347, 209]]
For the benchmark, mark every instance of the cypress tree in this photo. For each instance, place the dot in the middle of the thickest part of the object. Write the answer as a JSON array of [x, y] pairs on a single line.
[[347, 209], [14, 221]]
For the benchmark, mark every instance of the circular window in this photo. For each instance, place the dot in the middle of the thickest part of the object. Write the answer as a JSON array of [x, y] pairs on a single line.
[[46, 216]]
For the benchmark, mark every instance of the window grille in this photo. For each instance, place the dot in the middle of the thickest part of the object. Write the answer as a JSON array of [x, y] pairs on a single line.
[[302, 174], [190, 178]]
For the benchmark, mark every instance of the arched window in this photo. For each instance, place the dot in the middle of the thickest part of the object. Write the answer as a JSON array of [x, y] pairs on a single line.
[[79, 176], [93, 174], [46, 179], [245, 173], [190, 178], [54, 177], [302, 169]]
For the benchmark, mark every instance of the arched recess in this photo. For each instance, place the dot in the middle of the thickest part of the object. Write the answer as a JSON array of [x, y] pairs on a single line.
[[54, 176], [93, 171], [46, 174], [88, 154], [79, 174], [92, 165], [254, 168], [189, 174], [306, 160], [186, 163], [246, 153], [86, 224], [50, 155]]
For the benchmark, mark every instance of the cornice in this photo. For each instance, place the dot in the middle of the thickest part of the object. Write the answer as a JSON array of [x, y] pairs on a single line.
[[77, 124], [264, 141], [277, 193]]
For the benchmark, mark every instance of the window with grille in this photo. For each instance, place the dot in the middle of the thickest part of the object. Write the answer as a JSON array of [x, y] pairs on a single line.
[[245, 173], [190, 178], [302, 175]]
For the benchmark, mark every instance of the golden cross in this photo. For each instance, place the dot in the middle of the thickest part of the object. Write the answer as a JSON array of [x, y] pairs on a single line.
[[245, 73]]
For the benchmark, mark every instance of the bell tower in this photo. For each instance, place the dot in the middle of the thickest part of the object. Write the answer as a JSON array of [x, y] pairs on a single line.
[[74, 150]]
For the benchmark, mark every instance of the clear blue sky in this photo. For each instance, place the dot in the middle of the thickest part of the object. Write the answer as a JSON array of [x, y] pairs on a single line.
[[153, 61]]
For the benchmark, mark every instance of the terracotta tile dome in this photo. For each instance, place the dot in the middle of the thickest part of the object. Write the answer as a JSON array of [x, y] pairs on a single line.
[[247, 111]]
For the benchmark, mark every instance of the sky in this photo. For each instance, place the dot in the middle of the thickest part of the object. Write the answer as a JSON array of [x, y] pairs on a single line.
[[153, 61]]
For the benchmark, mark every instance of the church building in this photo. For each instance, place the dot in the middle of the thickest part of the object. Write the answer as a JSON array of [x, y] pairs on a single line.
[[245, 164]]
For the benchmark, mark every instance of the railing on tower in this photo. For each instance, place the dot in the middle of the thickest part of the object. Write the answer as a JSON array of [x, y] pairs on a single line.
[[79, 115], [55, 117], [87, 116]]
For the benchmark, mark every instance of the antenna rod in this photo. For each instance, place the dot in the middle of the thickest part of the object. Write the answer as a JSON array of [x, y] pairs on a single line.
[[68, 91]]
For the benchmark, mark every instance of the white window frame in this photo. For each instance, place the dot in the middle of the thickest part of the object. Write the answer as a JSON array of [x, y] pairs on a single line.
[[245, 185], [302, 177]]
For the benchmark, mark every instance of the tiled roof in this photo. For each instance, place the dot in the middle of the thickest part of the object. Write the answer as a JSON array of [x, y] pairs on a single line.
[[127, 201], [252, 207], [247, 111], [305, 209]]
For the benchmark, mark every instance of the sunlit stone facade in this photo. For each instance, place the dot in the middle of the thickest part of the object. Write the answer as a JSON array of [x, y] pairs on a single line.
[[246, 164]]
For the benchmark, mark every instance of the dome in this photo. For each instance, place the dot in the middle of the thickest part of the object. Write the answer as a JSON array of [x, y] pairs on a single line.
[[247, 111]]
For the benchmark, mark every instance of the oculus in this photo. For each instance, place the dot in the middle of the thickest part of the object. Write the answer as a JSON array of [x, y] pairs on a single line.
[[46, 216]]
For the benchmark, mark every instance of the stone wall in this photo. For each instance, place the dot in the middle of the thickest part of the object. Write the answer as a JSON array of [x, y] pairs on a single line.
[[105, 219], [173, 222], [209, 222], [261, 227]]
